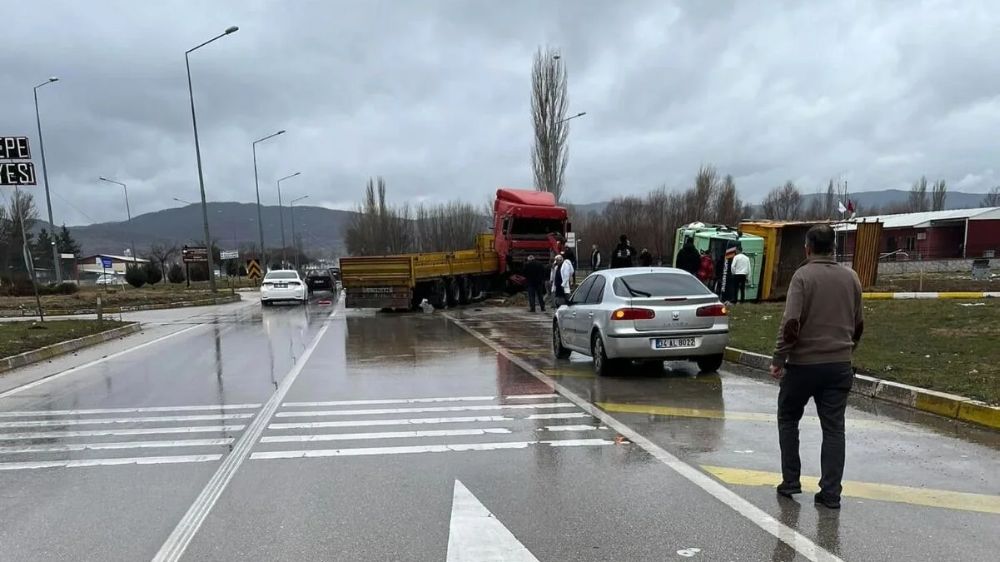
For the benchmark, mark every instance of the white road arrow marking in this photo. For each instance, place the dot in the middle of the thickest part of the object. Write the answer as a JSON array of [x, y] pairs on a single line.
[[475, 535]]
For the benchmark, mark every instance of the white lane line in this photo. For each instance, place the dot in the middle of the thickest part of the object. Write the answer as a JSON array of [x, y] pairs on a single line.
[[387, 401], [51, 413], [448, 448], [119, 445], [84, 463], [89, 364], [370, 423], [175, 545], [570, 428], [132, 431], [799, 542], [382, 435], [324, 413], [476, 535], [107, 421], [559, 416]]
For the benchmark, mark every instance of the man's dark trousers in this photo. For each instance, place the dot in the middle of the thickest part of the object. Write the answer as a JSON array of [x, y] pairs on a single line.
[[536, 292], [828, 385], [739, 288]]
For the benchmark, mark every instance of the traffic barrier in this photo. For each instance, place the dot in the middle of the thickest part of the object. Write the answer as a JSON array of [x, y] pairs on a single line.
[[964, 295], [930, 401], [69, 346]]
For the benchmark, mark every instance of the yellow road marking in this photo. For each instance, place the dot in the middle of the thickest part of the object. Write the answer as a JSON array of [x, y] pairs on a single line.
[[705, 413], [867, 490], [568, 373]]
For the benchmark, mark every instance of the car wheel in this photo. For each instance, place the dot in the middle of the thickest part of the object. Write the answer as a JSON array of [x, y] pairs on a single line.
[[557, 344], [602, 365], [265, 303], [709, 364]]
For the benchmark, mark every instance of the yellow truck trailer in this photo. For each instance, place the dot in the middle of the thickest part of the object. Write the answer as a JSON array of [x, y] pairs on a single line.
[[399, 281]]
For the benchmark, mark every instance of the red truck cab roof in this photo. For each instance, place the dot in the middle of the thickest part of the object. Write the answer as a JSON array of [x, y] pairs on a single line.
[[526, 197], [528, 203]]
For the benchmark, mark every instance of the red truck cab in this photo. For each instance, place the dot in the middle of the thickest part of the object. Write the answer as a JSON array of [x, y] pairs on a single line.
[[526, 222]]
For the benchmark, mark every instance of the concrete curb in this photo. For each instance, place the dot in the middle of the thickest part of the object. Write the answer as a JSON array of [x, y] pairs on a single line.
[[116, 310], [940, 403], [69, 346], [968, 295]]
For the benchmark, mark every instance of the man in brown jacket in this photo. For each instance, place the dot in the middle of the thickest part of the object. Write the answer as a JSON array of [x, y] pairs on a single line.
[[822, 325]]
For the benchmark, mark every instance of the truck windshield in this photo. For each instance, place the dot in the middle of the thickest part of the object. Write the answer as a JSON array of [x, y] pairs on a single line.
[[542, 227]]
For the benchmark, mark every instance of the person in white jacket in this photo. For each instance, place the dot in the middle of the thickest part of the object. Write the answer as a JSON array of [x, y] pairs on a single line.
[[742, 271], [562, 280]]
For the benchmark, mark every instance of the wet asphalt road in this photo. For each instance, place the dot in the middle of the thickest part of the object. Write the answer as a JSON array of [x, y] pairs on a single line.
[[356, 431]]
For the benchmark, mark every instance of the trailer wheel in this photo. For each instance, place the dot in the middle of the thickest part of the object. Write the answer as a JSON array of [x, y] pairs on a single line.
[[438, 296], [454, 291], [466, 285]]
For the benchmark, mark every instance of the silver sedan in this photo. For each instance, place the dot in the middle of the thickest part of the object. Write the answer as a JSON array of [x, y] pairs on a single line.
[[642, 313]]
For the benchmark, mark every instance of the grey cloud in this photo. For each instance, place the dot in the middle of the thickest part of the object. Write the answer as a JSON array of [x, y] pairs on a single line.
[[434, 96]]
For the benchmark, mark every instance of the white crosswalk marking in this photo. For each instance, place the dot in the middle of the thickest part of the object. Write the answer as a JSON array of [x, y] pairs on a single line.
[[45, 443], [376, 412], [517, 424]]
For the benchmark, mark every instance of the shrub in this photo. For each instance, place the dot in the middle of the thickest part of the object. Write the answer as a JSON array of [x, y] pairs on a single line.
[[175, 274], [198, 272], [135, 275], [64, 288], [153, 274]]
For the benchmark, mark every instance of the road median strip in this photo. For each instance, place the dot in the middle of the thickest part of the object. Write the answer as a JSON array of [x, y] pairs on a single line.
[[930, 401], [68, 346], [9, 313], [959, 295]]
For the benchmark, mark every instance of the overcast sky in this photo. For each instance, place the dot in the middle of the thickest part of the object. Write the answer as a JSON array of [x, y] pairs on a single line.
[[434, 96]]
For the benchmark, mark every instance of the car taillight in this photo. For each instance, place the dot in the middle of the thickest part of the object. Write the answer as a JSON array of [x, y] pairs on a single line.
[[633, 314], [713, 310], [296, 283]]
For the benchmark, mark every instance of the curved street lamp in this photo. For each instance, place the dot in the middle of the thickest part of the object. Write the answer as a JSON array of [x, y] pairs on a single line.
[[298, 250], [281, 218], [256, 186]]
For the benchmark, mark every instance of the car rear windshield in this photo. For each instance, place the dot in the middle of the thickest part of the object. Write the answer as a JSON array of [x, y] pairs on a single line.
[[281, 275], [658, 285]]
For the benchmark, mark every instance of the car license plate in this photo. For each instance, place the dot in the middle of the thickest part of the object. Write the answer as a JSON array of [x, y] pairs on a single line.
[[282, 285], [673, 343]]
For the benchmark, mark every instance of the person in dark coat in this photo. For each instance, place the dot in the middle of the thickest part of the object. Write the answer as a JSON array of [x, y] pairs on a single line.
[[536, 273], [624, 253], [688, 258], [645, 258]]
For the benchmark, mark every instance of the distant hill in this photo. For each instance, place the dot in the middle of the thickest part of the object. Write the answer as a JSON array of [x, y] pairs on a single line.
[[867, 199], [232, 224]]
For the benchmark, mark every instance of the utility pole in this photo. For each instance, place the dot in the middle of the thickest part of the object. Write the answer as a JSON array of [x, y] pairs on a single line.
[[295, 242], [45, 178], [256, 186], [281, 219]]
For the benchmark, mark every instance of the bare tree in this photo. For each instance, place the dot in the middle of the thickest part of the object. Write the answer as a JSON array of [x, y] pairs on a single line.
[[379, 228], [548, 111], [939, 192], [830, 202], [161, 253], [918, 196], [992, 198], [726, 207], [448, 227], [706, 183], [783, 203]]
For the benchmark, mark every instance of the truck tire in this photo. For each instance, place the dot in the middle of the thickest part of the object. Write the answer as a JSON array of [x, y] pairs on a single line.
[[466, 286], [439, 295], [454, 292]]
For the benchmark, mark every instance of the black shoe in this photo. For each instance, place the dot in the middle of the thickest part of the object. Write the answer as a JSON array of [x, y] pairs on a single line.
[[531, 310], [826, 501], [788, 490]]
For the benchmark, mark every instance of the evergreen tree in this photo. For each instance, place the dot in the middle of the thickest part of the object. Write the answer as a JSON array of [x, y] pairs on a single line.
[[66, 243], [41, 250]]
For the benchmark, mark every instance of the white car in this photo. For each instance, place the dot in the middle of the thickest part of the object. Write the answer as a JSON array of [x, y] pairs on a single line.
[[109, 279], [283, 285]]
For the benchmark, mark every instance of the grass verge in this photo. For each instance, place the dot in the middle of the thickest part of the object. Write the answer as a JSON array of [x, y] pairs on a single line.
[[128, 296], [950, 346], [23, 336]]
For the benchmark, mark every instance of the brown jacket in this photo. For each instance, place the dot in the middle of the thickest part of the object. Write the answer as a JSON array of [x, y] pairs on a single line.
[[824, 317]]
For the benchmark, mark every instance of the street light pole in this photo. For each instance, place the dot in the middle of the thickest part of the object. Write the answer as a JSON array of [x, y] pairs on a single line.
[[197, 151], [128, 212], [281, 218], [256, 186], [179, 200], [45, 178], [291, 206], [581, 114]]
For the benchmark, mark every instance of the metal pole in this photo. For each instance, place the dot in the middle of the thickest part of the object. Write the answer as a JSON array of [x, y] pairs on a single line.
[[256, 186], [281, 220], [291, 209], [201, 180], [45, 178], [128, 212], [27, 252]]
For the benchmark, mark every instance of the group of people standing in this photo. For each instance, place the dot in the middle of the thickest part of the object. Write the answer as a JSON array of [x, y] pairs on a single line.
[[624, 255], [701, 265], [559, 276]]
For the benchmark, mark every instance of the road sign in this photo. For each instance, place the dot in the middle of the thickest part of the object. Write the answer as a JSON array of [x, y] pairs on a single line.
[[192, 255], [253, 270], [106, 263], [17, 173], [229, 255]]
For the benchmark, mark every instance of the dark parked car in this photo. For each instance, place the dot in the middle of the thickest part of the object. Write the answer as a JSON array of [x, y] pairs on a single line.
[[320, 280]]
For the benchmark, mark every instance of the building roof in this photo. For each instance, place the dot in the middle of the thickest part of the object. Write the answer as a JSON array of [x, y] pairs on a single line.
[[113, 257], [927, 219]]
